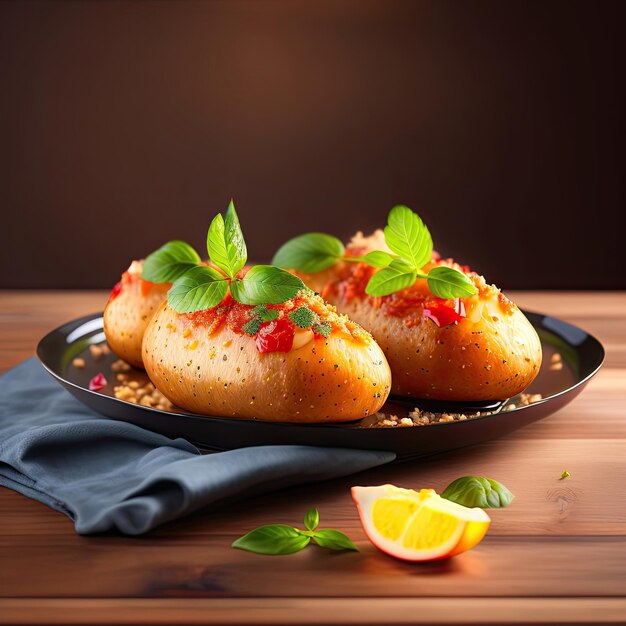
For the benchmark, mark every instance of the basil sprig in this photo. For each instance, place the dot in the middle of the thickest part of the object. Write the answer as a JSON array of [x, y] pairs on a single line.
[[265, 284], [309, 253], [169, 262], [407, 237], [196, 287], [476, 491], [276, 539], [225, 242]]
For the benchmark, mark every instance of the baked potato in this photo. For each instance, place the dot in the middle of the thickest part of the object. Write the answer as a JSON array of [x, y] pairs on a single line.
[[298, 361], [476, 348], [131, 304]]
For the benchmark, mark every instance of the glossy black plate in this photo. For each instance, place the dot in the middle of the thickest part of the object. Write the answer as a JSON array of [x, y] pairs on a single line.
[[581, 357]]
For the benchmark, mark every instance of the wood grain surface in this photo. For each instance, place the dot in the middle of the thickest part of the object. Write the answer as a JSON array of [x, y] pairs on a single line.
[[557, 555]]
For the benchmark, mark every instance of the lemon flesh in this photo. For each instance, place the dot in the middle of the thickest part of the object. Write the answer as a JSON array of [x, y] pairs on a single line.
[[418, 525]]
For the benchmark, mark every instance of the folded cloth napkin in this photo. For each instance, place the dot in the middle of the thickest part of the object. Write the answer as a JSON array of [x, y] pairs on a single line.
[[106, 474]]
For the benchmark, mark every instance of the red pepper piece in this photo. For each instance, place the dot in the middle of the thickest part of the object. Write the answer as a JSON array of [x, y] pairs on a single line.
[[98, 382], [275, 336], [443, 314]]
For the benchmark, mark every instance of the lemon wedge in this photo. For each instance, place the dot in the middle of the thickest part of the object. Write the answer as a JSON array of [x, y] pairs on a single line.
[[418, 525]]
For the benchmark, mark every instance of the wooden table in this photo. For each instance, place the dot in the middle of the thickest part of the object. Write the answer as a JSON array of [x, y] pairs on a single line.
[[557, 555]]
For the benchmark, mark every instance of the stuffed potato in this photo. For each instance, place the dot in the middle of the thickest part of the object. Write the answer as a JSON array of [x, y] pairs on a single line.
[[476, 348], [298, 361], [132, 303]]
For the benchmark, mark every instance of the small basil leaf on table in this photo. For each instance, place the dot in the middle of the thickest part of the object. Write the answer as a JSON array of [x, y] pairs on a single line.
[[333, 540], [398, 275], [198, 289], [310, 253], [408, 236], [476, 491], [169, 262], [265, 284], [225, 242], [311, 519], [446, 282], [273, 539]]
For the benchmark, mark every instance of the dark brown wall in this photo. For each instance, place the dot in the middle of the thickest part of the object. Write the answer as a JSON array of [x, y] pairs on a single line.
[[125, 124]]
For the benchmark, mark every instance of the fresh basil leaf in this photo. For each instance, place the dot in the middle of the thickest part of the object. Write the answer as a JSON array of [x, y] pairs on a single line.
[[216, 245], [472, 491], [446, 282], [310, 253], [399, 274], [333, 540], [265, 284], [312, 519], [236, 244], [225, 243], [198, 289], [169, 262], [378, 258], [408, 236], [273, 539]]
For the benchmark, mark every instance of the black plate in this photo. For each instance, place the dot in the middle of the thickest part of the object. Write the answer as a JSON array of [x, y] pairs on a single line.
[[581, 357]]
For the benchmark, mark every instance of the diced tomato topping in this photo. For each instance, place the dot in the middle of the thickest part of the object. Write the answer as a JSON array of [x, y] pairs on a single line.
[[275, 336], [440, 312], [116, 291], [98, 382]]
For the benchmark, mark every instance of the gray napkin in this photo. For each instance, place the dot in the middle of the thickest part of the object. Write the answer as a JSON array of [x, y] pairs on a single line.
[[106, 474]]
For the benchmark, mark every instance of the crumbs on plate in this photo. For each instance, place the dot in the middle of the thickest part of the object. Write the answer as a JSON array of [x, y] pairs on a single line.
[[139, 392], [420, 417]]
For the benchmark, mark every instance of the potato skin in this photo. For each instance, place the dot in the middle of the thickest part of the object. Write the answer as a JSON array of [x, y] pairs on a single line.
[[127, 314], [487, 360], [326, 380], [493, 358]]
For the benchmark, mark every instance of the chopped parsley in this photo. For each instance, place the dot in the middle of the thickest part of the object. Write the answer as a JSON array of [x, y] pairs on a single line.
[[252, 327], [323, 328], [303, 317]]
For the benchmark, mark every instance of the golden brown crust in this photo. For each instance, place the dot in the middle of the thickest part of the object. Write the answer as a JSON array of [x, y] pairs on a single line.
[[492, 354], [494, 358], [127, 314], [325, 380]]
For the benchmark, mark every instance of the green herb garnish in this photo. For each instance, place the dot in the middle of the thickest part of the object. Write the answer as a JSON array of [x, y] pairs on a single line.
[[310, 253], [476, 491], [564, 475], [225, 242], [303, 317], [259, 314], [276, 539], [169, 262], [252, 327], [405, 235], [264, 312], [265, 284], [323, 328], [196, 287]]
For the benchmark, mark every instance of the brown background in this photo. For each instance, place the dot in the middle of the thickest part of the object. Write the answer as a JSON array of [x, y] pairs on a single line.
[[126, 124]]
